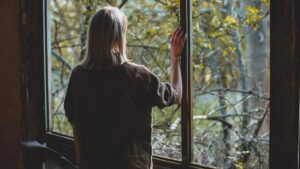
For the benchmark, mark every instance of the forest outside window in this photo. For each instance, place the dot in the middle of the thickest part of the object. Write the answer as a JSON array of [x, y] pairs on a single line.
[[229, 73], [231, 83]]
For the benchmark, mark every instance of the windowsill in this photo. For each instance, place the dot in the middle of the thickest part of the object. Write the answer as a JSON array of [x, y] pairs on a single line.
[[64, 145]]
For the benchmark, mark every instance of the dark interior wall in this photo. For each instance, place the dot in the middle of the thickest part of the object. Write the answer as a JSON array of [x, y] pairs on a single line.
[[10, 100]]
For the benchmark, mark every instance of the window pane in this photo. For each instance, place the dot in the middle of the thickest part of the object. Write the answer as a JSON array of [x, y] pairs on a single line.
[[64, 28], [148, 37], [231, 83]]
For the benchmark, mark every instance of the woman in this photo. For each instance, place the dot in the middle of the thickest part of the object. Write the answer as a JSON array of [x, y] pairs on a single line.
[[109, 99]]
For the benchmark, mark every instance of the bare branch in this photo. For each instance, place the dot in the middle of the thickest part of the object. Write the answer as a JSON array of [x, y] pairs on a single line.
[[123, 3], [260, 122], [215, 118], [63, 60], [143, 46], [249, 92]]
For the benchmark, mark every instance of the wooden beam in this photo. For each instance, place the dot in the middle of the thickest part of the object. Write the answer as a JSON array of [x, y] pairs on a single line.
[[32, 68], [284, 123], [186, 103]]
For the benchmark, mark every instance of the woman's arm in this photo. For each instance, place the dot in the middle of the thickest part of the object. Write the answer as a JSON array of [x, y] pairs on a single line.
[[177, 43]]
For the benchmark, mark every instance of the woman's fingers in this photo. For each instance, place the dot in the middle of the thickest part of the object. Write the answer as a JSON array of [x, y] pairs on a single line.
[[178, 39], [182, 40], [175, 34], [180, 36]]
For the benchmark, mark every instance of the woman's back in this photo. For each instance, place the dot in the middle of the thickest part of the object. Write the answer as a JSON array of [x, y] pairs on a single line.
[[109, 99], [111, 110]]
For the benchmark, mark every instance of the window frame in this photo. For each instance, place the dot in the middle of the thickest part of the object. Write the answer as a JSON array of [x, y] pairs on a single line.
[[284, 127]]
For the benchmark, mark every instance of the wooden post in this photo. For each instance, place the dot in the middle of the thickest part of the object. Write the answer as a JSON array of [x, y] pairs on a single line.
[[284, 85]]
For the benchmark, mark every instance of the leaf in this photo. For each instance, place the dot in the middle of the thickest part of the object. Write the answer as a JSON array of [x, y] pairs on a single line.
[[252, 10], [266, 2], [231, 21], [216, 21], [239, 165], [199, 40]]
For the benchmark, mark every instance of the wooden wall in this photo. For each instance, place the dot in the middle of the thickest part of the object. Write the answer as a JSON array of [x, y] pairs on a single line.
[[10, 100]]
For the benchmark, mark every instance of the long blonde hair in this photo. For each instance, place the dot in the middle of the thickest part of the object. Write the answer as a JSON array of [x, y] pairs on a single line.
[[106, 43]]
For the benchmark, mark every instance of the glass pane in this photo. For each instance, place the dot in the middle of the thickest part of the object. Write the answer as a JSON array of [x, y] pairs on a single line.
[[64, 40], [231, 83], [148, 37]]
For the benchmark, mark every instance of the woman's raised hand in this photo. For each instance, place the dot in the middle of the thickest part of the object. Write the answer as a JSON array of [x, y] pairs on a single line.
[[177, 42]]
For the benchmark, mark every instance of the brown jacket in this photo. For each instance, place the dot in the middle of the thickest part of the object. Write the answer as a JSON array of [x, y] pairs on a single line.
[[111, 110]]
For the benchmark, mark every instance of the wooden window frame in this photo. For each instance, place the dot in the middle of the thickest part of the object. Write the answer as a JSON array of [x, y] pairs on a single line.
[[284, 104]]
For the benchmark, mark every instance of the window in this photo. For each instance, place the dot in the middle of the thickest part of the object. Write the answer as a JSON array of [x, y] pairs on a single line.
[[224, 117], [147, 43]]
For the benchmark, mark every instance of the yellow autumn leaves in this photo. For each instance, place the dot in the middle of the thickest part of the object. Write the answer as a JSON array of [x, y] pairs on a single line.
[[231, 21]]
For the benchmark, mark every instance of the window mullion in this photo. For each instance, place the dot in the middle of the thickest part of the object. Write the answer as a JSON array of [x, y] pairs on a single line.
[[186, 115]]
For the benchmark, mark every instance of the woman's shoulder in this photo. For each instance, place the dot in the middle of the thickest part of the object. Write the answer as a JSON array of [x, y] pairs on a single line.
[[81, 69], [79, 73], [130, 68], [136, 68], [140, 73], [77, 69]]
